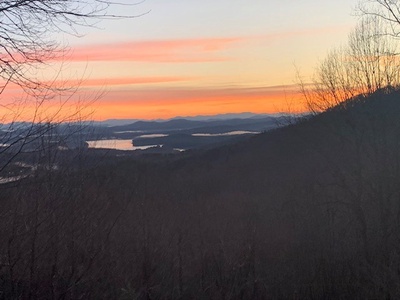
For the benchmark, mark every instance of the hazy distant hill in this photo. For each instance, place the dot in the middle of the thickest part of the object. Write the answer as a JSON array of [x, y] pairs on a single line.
[[189, 134], [244, 115], [183, 124], [177, 133], [228, 116]]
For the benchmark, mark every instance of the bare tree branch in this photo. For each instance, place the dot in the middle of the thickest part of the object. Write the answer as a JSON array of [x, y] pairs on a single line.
[[367, 63]]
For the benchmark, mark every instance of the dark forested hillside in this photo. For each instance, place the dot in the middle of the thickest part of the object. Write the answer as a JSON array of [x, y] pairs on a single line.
[[308, 211]]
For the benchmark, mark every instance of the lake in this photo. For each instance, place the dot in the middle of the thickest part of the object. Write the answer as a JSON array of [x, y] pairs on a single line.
[[117, 145], [231, 133]]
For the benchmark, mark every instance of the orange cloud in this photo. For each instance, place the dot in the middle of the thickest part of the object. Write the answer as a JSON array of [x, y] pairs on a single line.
[[14, 91]]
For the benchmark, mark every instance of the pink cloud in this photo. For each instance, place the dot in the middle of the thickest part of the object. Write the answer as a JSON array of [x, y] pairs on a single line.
[[184, 50], [180, 50], [130, 80]]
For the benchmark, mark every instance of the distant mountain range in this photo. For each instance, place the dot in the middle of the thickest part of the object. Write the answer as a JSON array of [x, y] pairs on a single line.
[[219, 125], [193, 133], [227, 116], [176, 133]]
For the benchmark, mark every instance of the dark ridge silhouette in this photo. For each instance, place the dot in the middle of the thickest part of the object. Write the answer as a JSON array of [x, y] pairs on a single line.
[[306, 211]]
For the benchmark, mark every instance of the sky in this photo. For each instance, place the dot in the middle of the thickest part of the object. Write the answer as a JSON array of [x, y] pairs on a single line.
[[191, 57]]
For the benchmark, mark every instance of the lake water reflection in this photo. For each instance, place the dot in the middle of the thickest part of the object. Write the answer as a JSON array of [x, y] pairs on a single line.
[[231, 133], [117, 145]]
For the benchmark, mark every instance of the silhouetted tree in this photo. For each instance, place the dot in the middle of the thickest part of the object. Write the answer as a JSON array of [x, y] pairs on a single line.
[[28, 31], [366, 64], [386, 10]]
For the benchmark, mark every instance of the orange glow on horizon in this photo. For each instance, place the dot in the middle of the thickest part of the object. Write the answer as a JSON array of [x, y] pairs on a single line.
[[168, 103], [156, 78]]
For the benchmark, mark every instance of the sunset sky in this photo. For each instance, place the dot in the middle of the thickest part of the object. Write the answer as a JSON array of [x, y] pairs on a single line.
[[190, 57]]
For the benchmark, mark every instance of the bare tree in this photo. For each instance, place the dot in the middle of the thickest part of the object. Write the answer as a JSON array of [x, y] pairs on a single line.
[[362, 80], [28, 41], [386, 10], [366, 64], [27, 31]]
